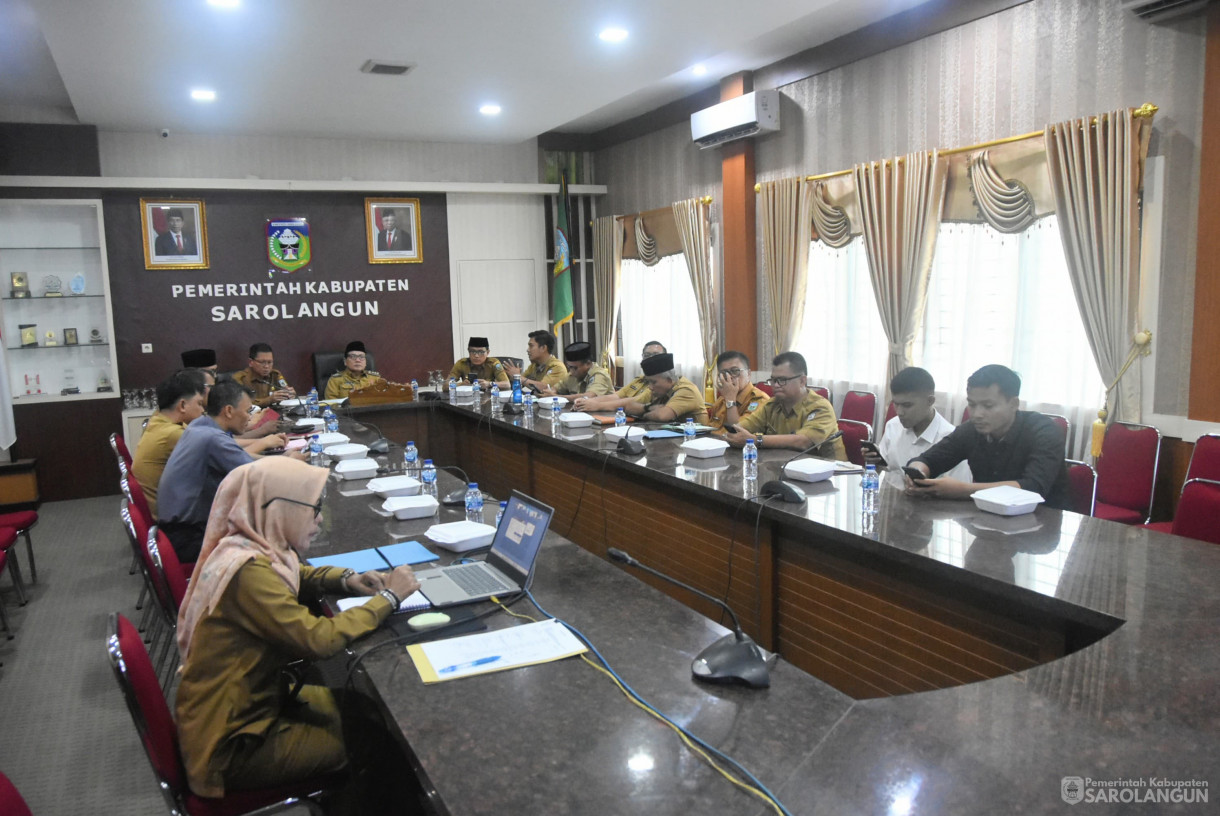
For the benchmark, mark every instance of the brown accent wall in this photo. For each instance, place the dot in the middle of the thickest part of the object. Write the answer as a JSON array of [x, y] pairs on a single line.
[[1204, 359]]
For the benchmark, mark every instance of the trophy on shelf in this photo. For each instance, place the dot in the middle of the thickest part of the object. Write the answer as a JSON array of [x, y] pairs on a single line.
[[29, 335], [50, 339], [77, 284], [33, 384], [21, 285], [70, 337], [103, 380], [95, 336], [70, 386], [53, 286]]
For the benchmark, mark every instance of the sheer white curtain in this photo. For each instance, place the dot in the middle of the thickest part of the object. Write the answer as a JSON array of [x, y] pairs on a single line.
[[658, 303], [1007, 299], [841, 337]]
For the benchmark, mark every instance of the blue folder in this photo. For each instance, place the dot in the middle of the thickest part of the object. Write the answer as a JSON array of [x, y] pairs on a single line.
[[360, 561], [407, 552]]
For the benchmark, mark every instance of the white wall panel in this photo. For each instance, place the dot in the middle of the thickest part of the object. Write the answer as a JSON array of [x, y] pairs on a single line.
[[190, 155], [497, 257]]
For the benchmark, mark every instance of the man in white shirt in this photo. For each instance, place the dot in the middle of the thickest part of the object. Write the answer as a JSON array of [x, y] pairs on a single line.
[[917, 425]]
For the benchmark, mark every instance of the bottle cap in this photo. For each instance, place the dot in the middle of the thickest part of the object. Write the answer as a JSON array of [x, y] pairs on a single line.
[[473, 485]]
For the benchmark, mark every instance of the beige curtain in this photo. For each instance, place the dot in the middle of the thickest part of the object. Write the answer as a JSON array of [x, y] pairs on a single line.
[[830, 222], [786, 207], [1006, 204], [1096, 168], [900, 206], [694, 227], [607, 280]]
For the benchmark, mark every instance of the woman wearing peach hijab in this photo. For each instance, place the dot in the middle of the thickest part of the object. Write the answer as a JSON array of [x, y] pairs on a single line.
[[243, 621]]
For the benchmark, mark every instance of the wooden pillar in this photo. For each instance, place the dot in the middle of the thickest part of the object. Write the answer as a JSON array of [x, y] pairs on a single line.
[[739, 236], [1205, 341]]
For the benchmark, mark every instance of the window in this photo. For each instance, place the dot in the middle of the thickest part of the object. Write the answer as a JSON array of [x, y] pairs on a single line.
[[841, 338], [658, 303], [995, 298]]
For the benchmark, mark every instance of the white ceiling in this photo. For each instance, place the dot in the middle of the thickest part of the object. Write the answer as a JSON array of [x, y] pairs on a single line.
[[292, 66]]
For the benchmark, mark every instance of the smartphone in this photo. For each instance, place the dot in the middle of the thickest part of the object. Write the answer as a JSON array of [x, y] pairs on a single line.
[[914, 473], [731, 428], [871, 447]]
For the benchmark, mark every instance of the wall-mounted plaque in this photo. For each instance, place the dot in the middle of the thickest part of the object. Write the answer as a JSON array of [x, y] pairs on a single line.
[[70, 337], [29, 334]]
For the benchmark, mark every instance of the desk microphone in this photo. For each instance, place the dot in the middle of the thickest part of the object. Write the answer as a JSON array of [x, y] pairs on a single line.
[[735, 657], [455, 497], [785, 490], [628, 446], [379, 445]]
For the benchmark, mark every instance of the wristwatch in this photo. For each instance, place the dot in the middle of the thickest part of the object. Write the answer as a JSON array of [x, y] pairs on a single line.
[[730, 403]]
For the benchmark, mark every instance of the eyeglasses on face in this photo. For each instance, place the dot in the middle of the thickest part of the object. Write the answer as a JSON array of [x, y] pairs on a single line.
[[476, 352], [780, 382], [733, 372], [317, 507], [356, 357], [263, 363]]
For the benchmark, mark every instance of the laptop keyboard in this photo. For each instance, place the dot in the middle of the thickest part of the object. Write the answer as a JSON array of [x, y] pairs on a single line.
[[476, 581]]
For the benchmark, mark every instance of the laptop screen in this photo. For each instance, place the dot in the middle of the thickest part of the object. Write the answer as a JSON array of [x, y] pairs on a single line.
[[521, 532]]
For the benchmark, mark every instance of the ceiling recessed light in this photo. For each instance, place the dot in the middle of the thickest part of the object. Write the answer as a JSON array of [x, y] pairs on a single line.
[[699, 70], [490, 110], [225, 4], [203, 95], [613, 35]]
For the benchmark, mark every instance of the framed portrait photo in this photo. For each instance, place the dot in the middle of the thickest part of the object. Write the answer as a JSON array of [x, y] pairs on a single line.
[[393, 232], [175, 234]]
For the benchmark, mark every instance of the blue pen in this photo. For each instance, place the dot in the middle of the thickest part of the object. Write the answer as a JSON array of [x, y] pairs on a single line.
[[482, 661]]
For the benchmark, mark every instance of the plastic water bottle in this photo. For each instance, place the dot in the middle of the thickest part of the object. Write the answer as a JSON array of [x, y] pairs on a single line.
[[500, 513], [749, 461], [620, 417], [474, 503], [529, 400], [495, 398], [311, 404], [428, 477], [518, 398], [869, 485], [452, 390], [315, 451], [410, 460], [332, 421], [476, 391], [688, 428], [414, 388]]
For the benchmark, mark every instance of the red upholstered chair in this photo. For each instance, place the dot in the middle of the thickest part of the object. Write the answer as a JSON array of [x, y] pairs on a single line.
[[168, 589], [853, 434], [11, 803], [8, 630], [8, 537], [965, 415], [821, 391], [1064, 425], [766, 388], [860, 406], [1126, 473], [119, 446], [1198, 514], [1082, 486], [22, 521], [890, 413], [133, 671], [1204, 464]]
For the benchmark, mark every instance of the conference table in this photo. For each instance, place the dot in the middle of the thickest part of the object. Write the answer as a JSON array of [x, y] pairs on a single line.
[[933, 659]]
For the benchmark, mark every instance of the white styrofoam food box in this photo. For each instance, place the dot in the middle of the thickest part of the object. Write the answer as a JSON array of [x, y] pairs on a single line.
[[809, 470], [410, 507], [460, 536], [348, 450], [576, 419], [388, 486], [1007, 500], [704, 448], [356, 469]]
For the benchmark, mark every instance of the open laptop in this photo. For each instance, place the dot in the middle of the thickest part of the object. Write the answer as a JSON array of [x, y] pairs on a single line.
[[508, 565]]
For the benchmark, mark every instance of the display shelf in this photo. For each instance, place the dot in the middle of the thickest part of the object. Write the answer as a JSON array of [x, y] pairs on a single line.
[[41, 238]]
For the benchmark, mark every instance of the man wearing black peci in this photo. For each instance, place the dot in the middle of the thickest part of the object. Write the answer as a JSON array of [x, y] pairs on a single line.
[[1004, 445]]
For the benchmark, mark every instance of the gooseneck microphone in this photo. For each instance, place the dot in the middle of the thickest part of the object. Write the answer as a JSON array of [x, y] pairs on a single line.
[[785, 490], [455, 497], [735, 657], [379, 445]]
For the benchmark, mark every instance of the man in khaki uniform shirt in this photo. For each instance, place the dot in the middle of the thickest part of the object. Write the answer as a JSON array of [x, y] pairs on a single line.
[[263, 379], [181, 399], [545, 369], [795, 417], [673, 398], [637, 389], [478, 365], [736, 396], [584, 375], [353, 376]]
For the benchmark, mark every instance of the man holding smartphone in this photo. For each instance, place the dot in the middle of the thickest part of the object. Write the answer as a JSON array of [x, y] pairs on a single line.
[[916, 427]]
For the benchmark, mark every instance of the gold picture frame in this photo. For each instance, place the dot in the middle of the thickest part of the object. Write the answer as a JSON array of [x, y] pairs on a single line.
[[157, 221], [404, 233]]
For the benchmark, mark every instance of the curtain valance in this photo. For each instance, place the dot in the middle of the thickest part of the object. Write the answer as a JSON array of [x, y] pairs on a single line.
[[661, 231]]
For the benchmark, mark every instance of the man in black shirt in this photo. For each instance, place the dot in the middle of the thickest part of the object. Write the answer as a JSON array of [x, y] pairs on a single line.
[[1004, 445]]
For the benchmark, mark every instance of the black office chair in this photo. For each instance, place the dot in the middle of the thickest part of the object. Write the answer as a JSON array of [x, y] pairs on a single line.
[[327, 363]]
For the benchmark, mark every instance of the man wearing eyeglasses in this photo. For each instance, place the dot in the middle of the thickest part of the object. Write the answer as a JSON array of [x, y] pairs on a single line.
[[202, 458], [585, 376], [263, 378], [353, 376], [795, 418], [736, 396], [478, 365]]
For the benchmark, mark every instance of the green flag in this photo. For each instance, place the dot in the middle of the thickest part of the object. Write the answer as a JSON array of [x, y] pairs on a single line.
[[561, 294]]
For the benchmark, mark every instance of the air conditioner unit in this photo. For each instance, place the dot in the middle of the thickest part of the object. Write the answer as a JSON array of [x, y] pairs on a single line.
[[738, 118], [1155, 11]]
